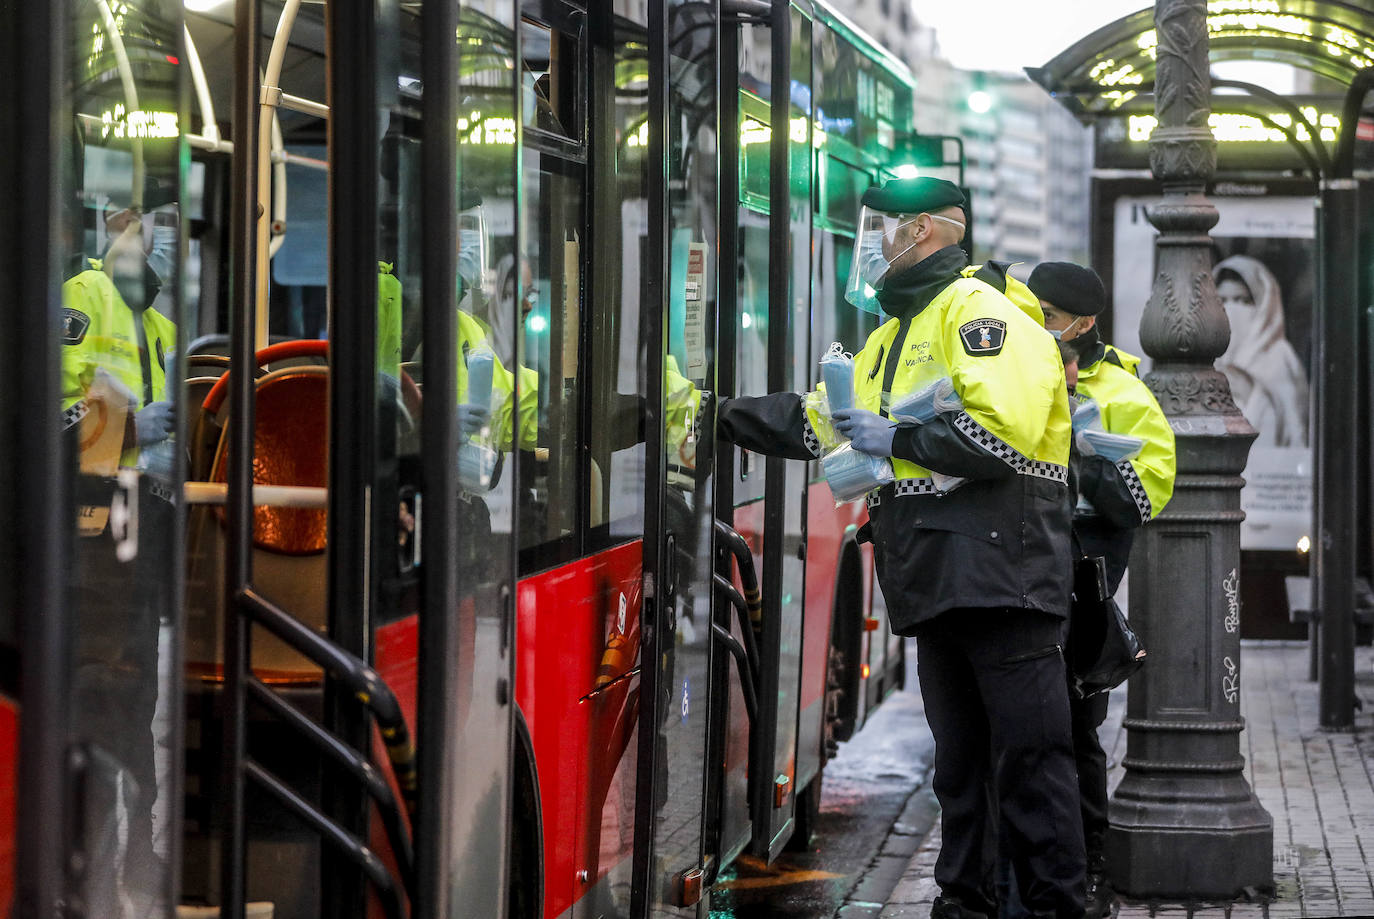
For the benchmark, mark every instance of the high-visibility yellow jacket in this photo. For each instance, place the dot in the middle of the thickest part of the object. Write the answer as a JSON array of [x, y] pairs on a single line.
[[1122, 496], [471, 333], [100, 332], [1000, 539]]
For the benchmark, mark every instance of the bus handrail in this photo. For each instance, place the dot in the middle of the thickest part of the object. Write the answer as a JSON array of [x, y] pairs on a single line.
[[365, 683], [357, 764], [359, 852], [281, 351], [751, 700], [737, 601], [744, 562]]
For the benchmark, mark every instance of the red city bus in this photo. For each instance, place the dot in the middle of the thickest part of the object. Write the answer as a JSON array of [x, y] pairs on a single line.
[[440, 598]]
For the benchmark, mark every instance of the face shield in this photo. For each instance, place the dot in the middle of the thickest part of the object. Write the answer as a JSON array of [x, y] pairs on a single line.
[[472, 250], [882, 241], [881, 250]]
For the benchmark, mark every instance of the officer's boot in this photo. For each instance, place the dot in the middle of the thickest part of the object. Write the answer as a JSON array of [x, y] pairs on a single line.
[[952, 908], [1101, 899]]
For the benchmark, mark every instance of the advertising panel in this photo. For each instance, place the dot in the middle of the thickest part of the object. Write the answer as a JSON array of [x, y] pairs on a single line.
[[1264, 267]]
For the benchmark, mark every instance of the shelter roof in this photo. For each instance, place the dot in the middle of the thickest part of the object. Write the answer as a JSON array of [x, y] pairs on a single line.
[[1106, 70]]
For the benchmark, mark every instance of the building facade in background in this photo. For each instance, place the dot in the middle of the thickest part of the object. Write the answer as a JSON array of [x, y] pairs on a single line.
[[1028, 161]]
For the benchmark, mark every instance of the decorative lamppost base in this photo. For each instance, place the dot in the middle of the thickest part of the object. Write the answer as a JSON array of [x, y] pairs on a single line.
[[1189, 837]]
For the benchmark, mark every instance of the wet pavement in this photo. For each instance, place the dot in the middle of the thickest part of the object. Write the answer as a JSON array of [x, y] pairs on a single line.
[[875, 810]]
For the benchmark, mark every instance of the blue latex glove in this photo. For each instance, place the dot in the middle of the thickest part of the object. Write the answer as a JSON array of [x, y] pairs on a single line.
[[154, 422], [869, 432], [472, 418]]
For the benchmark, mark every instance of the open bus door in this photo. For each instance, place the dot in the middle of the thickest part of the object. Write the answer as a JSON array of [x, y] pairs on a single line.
[[407, 611], [673, 864], [91, 601]]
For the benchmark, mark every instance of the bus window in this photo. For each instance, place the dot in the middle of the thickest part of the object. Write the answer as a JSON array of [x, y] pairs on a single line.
[[550, 312], [616, 294], [551, 97]]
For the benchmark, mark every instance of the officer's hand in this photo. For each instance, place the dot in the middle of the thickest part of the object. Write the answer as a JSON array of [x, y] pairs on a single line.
[[472, 418], [154, 422], [868, 431]]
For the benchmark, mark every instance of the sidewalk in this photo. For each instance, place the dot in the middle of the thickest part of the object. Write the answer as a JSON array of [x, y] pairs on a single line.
[[1316, 785]]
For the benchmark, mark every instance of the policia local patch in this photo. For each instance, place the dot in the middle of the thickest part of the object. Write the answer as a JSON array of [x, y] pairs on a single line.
[[983, 336], [74, 326]]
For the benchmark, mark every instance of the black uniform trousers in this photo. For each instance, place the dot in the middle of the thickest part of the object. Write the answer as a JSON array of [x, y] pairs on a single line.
[[996, 699]]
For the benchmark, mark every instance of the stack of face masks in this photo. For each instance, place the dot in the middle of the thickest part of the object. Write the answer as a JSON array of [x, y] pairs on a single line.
[[850, 473], [924, 406], [477, 461], [1092, 440], [927, 402]]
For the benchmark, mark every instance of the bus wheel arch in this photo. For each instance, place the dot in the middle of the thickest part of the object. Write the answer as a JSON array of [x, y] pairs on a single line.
[[525, 844], [844, 669]]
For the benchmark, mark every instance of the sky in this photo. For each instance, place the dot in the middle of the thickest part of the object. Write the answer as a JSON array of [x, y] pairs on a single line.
[[1010, 34]]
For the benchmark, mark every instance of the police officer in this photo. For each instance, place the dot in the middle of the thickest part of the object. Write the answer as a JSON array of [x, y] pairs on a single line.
[[1117, 499], [979, 573], [116, 404]]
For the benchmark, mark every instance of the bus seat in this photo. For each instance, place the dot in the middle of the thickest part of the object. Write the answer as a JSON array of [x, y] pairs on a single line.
[[290, 448]]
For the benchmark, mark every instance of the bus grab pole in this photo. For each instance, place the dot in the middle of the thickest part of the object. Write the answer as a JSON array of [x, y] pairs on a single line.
[[243, 241]]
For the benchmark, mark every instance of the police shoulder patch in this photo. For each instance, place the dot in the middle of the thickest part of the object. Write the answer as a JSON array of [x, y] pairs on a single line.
[[983, 337], [74, 326]]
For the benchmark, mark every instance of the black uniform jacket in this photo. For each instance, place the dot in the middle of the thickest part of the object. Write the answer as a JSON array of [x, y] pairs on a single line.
[[999, 540]]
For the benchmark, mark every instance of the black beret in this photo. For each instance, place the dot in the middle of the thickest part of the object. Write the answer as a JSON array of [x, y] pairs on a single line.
[[1068, 287], [914, 196]]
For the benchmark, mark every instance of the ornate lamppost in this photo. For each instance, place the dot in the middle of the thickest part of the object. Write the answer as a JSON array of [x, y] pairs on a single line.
[[1184, 822]]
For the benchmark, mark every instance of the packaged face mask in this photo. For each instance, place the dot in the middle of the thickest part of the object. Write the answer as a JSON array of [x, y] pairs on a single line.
[[926, 403], [1087, 414], [852, 474], [481, 360], [1112, 447], [837, 370], [476, 464]]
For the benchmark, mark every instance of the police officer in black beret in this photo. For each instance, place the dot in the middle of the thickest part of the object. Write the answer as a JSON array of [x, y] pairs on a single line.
[[971, 539]]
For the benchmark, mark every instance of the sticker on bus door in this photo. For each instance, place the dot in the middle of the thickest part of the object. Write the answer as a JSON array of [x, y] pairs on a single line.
[[694, 332]]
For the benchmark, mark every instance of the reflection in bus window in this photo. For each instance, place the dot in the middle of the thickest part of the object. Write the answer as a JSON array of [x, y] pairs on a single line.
[[549, 331], [550, 97]]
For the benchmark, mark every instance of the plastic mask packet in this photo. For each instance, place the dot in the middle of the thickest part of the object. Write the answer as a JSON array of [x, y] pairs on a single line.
[[851, 474], [837, 370], [1087, 414], [476, 464], [927, 403], [1111, 447]]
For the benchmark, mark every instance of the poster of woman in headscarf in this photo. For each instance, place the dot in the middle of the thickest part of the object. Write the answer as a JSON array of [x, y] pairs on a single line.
[[1264, 269], [1268, 380]]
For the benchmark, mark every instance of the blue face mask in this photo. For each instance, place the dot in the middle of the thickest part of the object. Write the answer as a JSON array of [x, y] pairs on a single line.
[[873, 264], [163, 257], [1058, 334]]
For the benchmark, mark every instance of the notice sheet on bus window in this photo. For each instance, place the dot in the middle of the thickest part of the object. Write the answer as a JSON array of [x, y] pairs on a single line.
[[694, 332]]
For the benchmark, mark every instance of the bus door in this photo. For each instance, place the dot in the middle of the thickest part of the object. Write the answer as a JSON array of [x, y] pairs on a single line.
[[368, 564], [773, 781], [94, 553], [680, 325]]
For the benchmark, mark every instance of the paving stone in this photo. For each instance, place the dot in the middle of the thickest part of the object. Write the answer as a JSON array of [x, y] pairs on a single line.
[[1317, 786]]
